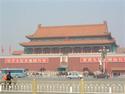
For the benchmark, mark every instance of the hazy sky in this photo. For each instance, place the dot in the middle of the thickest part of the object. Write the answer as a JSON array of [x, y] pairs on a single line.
[[21, 17]]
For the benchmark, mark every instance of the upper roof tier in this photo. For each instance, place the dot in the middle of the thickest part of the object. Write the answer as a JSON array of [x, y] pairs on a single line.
[[70, 31]]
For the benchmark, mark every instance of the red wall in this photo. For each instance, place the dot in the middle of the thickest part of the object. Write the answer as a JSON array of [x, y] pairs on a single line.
[[74, 64], [51, 65]]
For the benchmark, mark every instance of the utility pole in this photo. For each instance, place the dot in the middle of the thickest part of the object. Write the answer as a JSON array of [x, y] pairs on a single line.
[[102, 61]]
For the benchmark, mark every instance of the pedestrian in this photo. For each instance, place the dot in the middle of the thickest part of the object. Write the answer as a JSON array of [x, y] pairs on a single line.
[[9, 78]]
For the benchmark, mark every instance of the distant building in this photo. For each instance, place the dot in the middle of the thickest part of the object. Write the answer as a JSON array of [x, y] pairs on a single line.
[[70, 39], [19, 52], [120, 50]]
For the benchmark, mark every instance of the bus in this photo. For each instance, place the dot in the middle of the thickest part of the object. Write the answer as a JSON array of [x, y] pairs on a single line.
[[15, 72]]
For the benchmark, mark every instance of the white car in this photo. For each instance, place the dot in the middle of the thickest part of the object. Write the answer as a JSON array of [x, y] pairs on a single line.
[[74, 75]]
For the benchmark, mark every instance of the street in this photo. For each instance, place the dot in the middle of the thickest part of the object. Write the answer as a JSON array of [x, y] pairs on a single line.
[[62, 85]]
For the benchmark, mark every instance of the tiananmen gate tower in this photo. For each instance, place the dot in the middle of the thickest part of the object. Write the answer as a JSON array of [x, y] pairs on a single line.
[[72, 47], [70, 39]]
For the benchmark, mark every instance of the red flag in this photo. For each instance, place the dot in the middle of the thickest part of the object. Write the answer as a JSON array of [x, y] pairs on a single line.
[[2, 49], [9, 49]]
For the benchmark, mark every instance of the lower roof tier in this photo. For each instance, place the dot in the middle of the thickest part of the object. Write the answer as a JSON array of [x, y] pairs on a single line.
[[67, 42]]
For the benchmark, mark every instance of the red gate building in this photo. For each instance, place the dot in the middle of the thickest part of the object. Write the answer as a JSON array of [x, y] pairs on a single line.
[[75, 47]]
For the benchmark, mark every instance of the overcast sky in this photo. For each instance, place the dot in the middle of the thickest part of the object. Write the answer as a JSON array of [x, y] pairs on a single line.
[[21, 17]]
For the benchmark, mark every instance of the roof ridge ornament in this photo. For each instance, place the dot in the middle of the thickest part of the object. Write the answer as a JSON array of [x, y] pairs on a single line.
[[39, 25], [105, 23]]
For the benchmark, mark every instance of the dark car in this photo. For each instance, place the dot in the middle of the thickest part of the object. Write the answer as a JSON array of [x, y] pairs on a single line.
[[102, 75]]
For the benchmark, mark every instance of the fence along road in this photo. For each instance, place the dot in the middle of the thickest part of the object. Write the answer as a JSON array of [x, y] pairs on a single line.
[[65, 87]]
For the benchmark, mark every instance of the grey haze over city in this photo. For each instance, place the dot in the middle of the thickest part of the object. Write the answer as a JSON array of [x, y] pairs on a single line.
[[19, 18]]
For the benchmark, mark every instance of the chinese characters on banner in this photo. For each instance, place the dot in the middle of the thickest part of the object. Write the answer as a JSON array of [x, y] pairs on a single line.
[[89, 59], [97, 59], [26, 60], [46, 60]]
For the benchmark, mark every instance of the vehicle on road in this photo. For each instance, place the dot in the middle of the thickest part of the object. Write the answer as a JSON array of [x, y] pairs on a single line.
[[74, 75], [120, 76], [99, 74], [15, 72]]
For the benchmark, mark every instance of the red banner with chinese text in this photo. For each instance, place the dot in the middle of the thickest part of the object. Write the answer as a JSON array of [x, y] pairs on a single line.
[[97, 59], [26, 60]]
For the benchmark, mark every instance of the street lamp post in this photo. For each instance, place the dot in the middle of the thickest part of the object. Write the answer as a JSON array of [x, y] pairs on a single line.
[[102, 61]]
